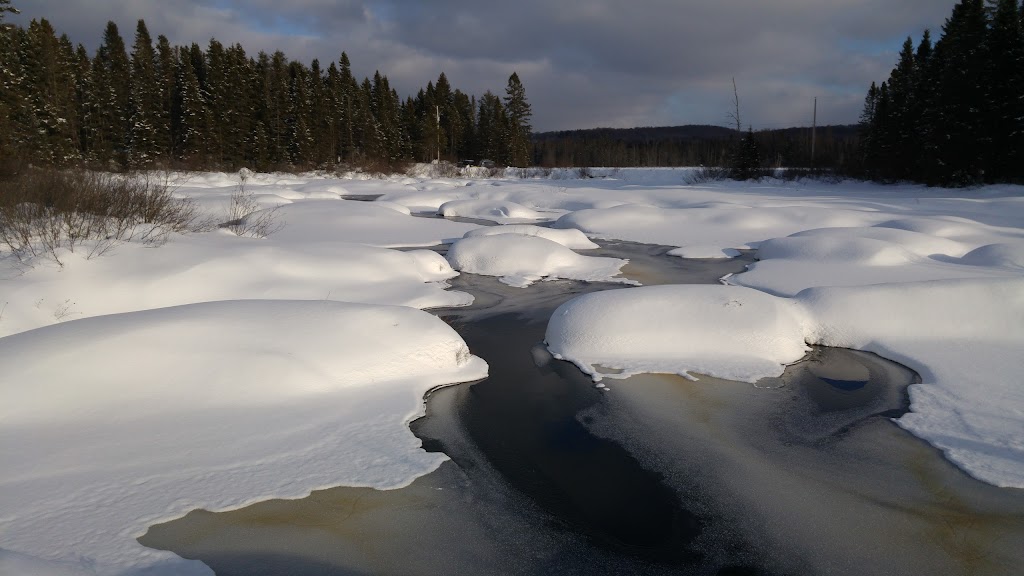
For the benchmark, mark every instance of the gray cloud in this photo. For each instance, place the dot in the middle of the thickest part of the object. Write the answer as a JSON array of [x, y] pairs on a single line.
[[584, 64]]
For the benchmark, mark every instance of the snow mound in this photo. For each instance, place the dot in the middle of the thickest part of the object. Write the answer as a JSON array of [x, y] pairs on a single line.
[[202, 268], [738, 226], [964, 338], [1000, 255], [842, 248], [860, 256], [522, 260], [138, 418], [568, 237], [723, 331], [495, 210], [374, 223]]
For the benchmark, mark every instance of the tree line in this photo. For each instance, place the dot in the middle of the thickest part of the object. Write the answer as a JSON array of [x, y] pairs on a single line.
[[837, 147], [952, 112], [158, 105]]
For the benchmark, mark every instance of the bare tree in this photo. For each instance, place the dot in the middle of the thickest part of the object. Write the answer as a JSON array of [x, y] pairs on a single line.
[[735, 114]]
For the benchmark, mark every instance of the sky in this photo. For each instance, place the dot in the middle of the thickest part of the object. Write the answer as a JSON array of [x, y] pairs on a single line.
[[598, 63]]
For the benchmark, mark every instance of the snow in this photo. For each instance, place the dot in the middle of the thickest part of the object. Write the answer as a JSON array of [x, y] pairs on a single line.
[[113, 423], [218, 370], [569, 237], [503, 212], [520, 260], [724, 331]]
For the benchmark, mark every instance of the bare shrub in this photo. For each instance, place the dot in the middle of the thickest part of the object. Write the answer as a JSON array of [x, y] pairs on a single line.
[[817, 174], [245, 215], [46, 211], [706, 174]]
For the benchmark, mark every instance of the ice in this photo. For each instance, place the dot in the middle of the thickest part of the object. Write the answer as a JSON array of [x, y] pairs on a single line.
[[217, 370], [113, 423]]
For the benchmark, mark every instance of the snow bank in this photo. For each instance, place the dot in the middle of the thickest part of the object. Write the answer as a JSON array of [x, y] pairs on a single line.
[[220, 266], [113, 423], [963, 337], [383, 224], [569, 237], [721, 225], [724, 331], [521, 260], [502, 212], [867, 255]]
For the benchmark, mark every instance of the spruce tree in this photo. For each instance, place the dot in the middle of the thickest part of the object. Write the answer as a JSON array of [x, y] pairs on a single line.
[[1005, 109], [166, 68], [961, 57], [518, 113], [191, 117], [145, 106], [111, 73]]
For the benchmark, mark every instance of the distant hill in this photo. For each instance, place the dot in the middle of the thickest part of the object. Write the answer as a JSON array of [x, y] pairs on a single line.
[[690, 145]]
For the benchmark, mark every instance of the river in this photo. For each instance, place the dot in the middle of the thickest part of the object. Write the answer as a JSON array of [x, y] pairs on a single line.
[[657, 474]]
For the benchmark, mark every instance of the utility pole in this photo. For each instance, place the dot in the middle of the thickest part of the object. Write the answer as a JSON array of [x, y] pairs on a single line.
[[814, 130], [437, 111]]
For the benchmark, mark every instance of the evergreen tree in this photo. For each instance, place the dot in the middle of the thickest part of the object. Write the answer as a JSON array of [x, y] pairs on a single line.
[[492, 124], [334, 113], [747, 163], [166, 67], [111, 71], [191, 117], [320, 121], [961, 63], [518, 114], [143, 145], [1005, 110], [298, 117], [347, 98]]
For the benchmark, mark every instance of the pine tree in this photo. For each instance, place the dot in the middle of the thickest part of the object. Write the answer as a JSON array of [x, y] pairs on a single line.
[[518, 114]]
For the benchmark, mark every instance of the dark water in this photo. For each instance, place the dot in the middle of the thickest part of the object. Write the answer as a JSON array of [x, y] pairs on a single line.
[[804, 474]]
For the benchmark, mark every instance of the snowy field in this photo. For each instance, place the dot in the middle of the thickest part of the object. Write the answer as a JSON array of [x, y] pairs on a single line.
[[219, 370]]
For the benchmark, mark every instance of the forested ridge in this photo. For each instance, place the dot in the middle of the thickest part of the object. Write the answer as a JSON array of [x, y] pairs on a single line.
[[694, 145], [157, 105]]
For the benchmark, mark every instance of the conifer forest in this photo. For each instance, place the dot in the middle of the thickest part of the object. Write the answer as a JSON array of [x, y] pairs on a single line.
[[152, 104], [951, 112]]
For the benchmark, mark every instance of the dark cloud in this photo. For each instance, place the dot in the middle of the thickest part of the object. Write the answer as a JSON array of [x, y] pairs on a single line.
[[584, 64]]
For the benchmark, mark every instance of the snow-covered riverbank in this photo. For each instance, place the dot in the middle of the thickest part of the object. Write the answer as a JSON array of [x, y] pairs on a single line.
[[217, 370]]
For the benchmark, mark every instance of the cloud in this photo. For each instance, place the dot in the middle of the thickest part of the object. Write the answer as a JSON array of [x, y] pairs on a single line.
[[584, 64]]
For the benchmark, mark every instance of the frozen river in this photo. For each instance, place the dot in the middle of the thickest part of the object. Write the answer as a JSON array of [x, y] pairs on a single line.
[[657, 474]]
